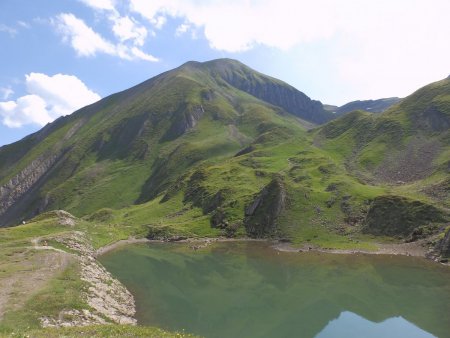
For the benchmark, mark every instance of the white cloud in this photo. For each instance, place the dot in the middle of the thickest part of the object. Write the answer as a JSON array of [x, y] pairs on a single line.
[[6, 92], [394, 47], [107, 5], [181, 29], [141, 55], [87, 42], [125, 28], [376, 48], [48, 98], [28, 109], [24, 24], [9, 30], [235, 25], [83, 39], [158, 21]]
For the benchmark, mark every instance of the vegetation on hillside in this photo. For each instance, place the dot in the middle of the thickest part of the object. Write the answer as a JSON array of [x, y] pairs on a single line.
[[188, 152], [217, 149]]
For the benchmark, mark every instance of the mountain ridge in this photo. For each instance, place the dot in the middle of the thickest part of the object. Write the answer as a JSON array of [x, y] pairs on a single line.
[[209, 149], [374, 106], [177, 98]]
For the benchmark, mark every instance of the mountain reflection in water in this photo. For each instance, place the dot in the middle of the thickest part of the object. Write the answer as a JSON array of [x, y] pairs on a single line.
[[350, 325]]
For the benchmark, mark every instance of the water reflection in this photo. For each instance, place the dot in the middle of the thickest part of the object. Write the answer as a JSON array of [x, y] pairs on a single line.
[[350, 325]]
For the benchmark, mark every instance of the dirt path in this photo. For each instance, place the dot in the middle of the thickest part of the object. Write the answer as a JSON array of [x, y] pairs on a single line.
[[25, 273], [26, 270], [108, 299], [36, 246]]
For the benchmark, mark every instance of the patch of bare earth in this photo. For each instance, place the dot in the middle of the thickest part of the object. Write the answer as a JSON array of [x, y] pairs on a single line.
[[29, 271], [413, 162]]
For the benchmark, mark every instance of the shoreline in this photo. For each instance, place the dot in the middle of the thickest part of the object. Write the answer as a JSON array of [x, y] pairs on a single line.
[[109, 247], [397, 249], [201, 241], [413, 249]]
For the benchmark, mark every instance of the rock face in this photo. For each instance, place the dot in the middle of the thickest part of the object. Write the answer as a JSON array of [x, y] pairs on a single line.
[[183, 122], [261, 215], [444, 245], [273, 91], [398, 216], [22, 182]]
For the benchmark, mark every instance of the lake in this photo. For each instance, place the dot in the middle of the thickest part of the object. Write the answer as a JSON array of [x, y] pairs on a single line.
[[248, 289]]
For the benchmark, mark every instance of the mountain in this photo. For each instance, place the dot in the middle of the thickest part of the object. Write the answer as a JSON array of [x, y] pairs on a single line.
[[406, 143], [216, 148], [125, 135], [373, 106], [406, 147]]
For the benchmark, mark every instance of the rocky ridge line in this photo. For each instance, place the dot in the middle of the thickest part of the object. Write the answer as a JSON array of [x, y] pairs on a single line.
[[109, 299]]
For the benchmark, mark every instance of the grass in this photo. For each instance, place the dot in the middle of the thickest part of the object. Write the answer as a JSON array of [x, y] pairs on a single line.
[[105, 331], [129, 172], [63, 292]]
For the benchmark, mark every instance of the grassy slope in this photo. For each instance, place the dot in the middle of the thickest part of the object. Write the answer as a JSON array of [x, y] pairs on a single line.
[[365, 141], [129, 152], [326, 205], [405, 149], [62, 291], [328, 175]]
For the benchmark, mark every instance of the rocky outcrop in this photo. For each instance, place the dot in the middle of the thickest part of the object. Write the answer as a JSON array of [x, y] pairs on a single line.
[[444, 245], [261, 215], [184, 121], [399, 216], [63, 217], [108, 299], [24, 180]]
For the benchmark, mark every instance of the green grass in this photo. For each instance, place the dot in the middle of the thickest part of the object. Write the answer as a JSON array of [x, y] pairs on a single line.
[[104, 331], [61, 293], [129, 173]]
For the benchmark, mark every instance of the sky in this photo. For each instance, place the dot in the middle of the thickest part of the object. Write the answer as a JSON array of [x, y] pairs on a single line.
[[58, 56]]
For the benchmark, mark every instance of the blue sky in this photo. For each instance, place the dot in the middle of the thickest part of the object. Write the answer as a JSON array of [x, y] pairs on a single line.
[[57, 56]]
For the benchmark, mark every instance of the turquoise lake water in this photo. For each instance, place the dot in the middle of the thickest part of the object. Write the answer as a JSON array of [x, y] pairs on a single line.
[[247, 289]]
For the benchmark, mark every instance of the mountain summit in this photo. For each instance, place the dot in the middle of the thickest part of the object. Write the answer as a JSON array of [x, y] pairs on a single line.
[[133, 126], [216, 148]]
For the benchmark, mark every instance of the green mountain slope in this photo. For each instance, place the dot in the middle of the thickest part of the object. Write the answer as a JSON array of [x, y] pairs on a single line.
[[216, 148], [407, 143], [127, 147], [407, 150]]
